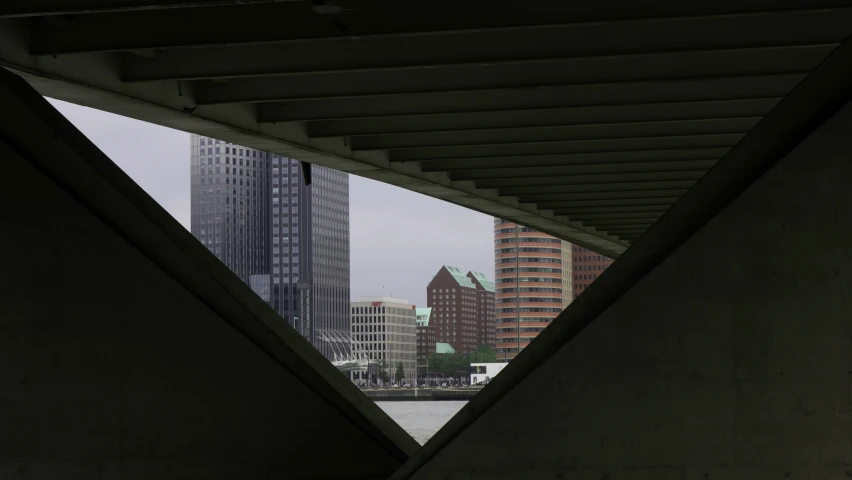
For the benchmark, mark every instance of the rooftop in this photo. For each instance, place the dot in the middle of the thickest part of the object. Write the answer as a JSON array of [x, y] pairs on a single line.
[[423, 315], [483, 280], [382, 299], [460, 277]]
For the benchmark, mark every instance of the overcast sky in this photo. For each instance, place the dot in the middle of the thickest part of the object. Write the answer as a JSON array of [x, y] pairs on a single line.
[[399, 238]]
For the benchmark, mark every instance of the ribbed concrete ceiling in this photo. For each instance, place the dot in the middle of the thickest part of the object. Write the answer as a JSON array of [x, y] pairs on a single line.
[[586, 120]]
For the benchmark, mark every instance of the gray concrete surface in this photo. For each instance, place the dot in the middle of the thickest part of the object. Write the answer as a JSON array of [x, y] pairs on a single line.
[[584, 120], [127, 351], [730, 359]]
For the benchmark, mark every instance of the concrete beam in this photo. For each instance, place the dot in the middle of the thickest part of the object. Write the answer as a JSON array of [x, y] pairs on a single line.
[[676, 111], [556, 133], [298, 21], [360, 59], [595, 95], [592, 168], [591, 218], [627, 224], [647, 185], [603, 158], [518, 46], [568, 147], [679, 397], [573, 71], [602, 196], [93, 80], [654, 201], [38, 8], [591, 179], [655, 209], [628, 232]]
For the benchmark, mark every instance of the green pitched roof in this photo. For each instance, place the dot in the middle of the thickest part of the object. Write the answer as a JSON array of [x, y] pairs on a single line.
[[423, 314], [444, 348], [460, 277], [484, 281]]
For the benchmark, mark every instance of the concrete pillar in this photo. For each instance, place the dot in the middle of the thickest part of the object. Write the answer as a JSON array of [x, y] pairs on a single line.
[[127, 351], [731, 359]]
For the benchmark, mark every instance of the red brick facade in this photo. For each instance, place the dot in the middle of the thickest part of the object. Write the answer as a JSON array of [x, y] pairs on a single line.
[[460, 310], [587, 265]]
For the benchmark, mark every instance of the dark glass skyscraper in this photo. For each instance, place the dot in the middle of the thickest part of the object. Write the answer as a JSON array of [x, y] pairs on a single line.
[[289, 241]]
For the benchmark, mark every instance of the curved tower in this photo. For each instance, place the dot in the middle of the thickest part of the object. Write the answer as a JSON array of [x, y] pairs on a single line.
[[533, 284]]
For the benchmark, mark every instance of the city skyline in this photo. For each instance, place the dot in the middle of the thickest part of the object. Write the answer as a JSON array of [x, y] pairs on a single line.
[[411, 234]]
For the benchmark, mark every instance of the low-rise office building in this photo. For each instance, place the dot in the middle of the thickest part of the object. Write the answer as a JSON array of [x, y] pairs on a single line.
[[385, 327]]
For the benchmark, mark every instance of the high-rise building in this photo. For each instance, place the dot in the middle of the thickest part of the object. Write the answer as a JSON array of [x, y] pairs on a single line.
[[309, 276], [460, 308], [230, 204], [533, 283], [386, 328], [287, 239], [587, 265]]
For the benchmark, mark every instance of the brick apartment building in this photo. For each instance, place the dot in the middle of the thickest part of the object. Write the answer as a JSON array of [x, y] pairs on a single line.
[[486, 318], [426, 338], [462, 308]]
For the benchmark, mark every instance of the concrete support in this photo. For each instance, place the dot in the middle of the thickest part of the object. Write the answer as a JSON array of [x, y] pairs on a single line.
[[127, 351], [731, 359]]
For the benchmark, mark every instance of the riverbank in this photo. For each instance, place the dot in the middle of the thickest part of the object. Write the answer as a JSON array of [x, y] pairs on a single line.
[[424, 394]]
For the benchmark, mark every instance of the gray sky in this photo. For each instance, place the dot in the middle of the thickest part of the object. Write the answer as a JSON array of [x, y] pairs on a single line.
[[399, 238]]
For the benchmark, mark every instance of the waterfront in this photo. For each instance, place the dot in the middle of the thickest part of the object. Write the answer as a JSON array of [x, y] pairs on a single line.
[[421, 419]]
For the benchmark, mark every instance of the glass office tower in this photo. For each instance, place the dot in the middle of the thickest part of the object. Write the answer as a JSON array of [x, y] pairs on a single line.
[[289, 241]]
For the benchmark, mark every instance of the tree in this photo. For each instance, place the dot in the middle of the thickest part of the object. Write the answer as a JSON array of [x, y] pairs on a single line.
[[400, 373], [437, 363], [484, 354], [382, 371]]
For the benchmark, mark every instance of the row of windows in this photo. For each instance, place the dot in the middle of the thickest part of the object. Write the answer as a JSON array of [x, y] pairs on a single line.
[[500, 241], [531, 289], [513, 230], [529, 310], [529, 280], [527, 260], [597, 268], [528, 250], [204, 160], [228, 149], [526, 320], [530, 300], [529, 270], [523, 330]]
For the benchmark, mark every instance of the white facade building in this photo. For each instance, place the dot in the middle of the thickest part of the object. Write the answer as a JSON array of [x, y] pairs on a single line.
[[484, 372], [386, 329]]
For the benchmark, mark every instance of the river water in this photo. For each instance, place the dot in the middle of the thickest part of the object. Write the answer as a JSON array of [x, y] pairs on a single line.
[[421, 419]]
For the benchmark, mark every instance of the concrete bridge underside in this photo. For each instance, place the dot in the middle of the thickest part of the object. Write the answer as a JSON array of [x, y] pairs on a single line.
[[584, 120], [719, 345]]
